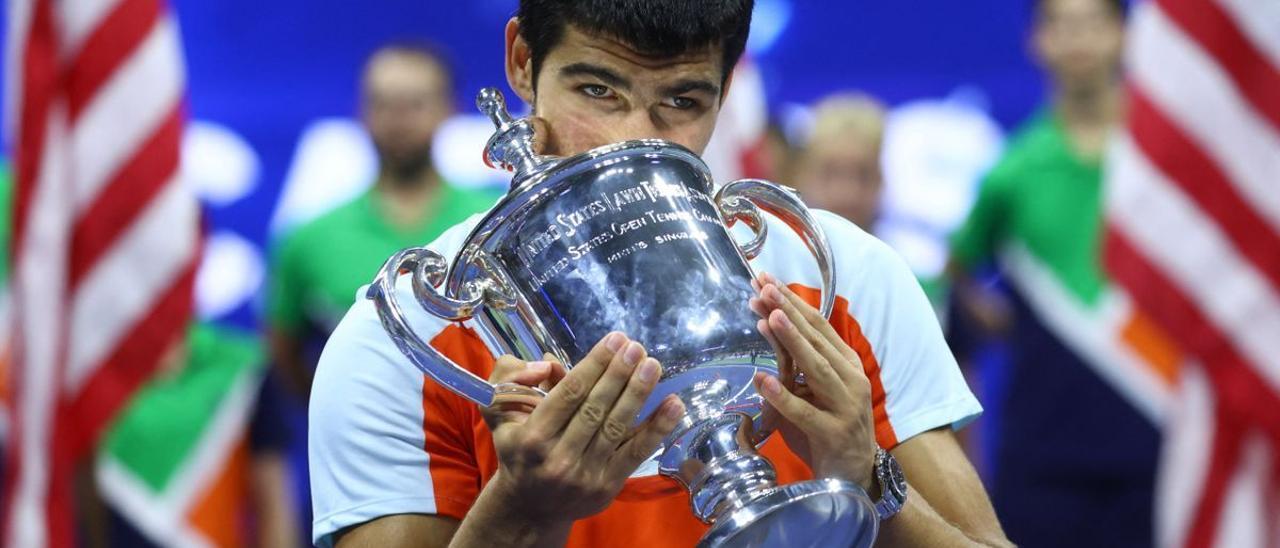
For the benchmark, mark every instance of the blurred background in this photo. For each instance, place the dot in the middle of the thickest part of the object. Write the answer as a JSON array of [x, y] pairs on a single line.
[[893, 114], [274, 135]]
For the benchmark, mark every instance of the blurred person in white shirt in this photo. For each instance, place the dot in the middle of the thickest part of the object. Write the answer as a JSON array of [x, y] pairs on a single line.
[[837, 166]]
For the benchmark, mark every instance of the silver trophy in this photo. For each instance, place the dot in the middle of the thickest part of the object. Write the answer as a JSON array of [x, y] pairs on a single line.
[[633, 237]]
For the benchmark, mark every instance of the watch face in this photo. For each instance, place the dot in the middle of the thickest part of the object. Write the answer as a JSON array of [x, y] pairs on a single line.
[[897, 480]]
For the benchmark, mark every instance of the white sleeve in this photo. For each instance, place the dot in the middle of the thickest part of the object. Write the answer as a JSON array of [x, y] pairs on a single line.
[[366, 440], [366, 429], [923, 386]]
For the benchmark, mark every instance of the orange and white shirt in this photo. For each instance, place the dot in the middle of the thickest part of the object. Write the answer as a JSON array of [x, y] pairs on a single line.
[[385, 439]]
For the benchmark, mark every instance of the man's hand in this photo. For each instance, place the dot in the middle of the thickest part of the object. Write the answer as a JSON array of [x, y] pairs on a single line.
[[826, 421], [989, 310], [566, 457]]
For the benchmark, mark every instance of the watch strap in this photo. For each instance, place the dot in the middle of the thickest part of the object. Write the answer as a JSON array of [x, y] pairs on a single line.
[[892, 485]]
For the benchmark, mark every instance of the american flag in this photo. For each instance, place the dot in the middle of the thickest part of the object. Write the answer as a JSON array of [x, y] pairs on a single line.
[[1193, 215], [105, 237]]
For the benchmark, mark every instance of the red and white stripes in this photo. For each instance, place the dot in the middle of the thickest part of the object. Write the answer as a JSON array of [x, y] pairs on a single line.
[[1193, 215], [106, 238]]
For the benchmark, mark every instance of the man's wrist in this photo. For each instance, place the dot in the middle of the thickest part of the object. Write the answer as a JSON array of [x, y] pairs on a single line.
[[503, 519], [506, 497], [891, 485]]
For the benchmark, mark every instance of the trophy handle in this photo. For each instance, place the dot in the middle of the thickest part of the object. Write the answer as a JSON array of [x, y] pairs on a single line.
[[737, 208], [428, 269], [741, 201]]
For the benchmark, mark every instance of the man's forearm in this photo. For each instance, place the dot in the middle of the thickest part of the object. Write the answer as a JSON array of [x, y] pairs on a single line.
[[918, 524], [492, 522]]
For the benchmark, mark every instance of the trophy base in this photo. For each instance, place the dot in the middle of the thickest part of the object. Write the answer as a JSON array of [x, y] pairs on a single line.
[[815, 513]]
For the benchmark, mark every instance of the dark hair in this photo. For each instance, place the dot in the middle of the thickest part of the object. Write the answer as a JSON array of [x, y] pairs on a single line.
[[660, 28], [1119, 7], [417, 48]]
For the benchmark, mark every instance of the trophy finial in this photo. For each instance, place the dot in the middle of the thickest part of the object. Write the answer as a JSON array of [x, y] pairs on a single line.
[[493, 105], [511, 146]]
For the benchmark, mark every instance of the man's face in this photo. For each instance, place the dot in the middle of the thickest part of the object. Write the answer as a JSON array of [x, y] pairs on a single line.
[[406, 98], [594, 91], [842, 177], [1079, 41]]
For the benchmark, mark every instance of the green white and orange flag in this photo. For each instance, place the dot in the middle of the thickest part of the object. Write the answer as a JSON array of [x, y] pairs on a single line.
[[175, 463], [1039, 214]]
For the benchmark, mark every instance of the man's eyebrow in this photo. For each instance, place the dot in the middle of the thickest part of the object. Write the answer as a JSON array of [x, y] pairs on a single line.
[[685, 86], [605, 75]]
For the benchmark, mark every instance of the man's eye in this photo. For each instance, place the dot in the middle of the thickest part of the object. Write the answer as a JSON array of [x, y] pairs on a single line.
[[682, 103], [595, 90]]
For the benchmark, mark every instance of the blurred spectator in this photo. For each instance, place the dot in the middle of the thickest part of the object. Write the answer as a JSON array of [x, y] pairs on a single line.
[[407, 92], [837, 167], [318, 267], [1075, 459]]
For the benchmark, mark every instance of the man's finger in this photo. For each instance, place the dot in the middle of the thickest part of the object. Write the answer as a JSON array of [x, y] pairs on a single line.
[[558, 372], [794, 409], [647, 437], [828, 344], [773, 296], [563, 400], [763, 308], [786, 369], [514, 407], [758, 306], [816, 320], [821, 324], [811, 314], [618, 425], [600, 402], [510, 369], [806, 358]]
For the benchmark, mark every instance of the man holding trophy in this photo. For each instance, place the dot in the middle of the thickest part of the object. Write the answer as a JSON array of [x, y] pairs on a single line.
[[640, 340]]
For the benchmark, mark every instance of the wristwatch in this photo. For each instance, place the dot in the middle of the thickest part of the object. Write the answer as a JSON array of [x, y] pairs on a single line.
[[893, 485]]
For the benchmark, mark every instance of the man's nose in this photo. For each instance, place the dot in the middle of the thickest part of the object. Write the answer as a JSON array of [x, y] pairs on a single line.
[[636, 124]]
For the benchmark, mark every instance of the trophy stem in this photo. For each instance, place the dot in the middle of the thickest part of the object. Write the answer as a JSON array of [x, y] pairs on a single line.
[[734, 489], [731, 473]]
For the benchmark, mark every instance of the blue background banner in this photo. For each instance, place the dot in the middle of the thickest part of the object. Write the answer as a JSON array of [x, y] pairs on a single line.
[[263, 76]]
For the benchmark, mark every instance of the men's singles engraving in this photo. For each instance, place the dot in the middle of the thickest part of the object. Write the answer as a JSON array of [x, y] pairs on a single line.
[[574, 234]]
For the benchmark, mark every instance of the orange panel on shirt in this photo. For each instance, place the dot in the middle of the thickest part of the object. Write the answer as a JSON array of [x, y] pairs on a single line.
[[449, 426], [849, 330], [650, 511]]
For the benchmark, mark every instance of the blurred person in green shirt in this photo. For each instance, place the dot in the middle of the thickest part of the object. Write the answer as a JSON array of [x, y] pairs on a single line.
[[1049, 179], [407, 93], [1075, 460]]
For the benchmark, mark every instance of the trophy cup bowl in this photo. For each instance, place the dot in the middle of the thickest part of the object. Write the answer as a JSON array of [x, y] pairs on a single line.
[[633, 237]]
